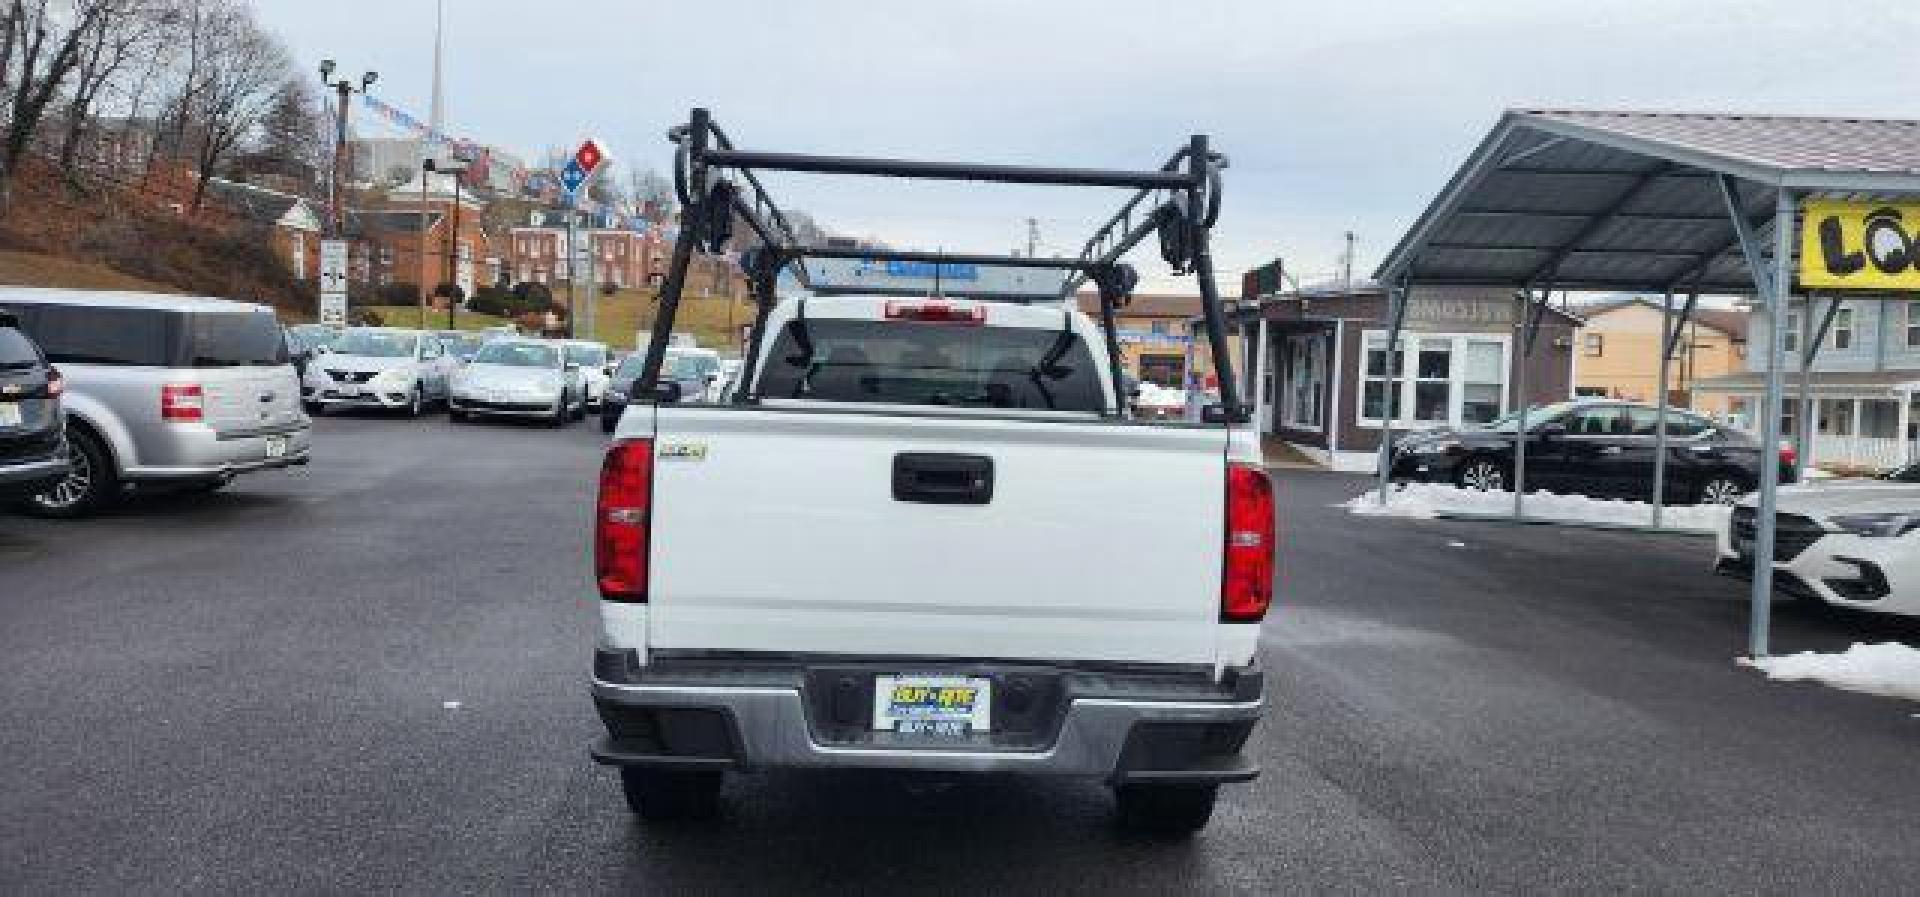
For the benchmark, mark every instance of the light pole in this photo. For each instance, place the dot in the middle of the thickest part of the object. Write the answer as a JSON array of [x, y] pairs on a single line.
[[458, 170], [344, 89]]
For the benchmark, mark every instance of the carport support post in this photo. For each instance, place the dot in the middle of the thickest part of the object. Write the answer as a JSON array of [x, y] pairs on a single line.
[[1660, 425], [1776, 285], [1527, 325], [1396, 314]]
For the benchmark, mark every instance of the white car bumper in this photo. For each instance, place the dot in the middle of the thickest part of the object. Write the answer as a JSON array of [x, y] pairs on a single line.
[[1876, 574]]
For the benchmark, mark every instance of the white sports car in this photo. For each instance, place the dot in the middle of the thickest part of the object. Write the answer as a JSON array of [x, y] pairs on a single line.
[[1846, 543]]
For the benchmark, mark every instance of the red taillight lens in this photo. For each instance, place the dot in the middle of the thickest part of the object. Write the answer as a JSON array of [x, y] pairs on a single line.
[[1246, 586], [621, 519], [939, 312], [56, 383], [182, 403]]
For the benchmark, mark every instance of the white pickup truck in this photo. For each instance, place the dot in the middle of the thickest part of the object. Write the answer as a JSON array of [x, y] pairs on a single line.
[[926, 538]]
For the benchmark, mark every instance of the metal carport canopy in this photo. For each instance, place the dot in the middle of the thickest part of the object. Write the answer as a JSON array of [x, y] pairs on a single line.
[[1628, 201], [1643, 202]]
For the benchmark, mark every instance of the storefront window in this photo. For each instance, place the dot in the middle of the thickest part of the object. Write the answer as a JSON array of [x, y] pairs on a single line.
[[1306, 373], [1164, 370], [1443, 379]]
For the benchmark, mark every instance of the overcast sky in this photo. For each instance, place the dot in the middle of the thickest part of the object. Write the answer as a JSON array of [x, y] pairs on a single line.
[[1336, 116]]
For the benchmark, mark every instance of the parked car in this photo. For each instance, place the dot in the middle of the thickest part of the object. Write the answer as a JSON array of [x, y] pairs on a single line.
[[1594, 447], [380, 367], [694, 375], [462, 344], [1852, 543], [33, 445], [519, 377], [697, 371], [596, 368], [162, 390], [306, 341], [873, 568]]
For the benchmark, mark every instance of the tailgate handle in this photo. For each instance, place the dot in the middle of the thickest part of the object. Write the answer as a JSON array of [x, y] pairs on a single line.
[[938, 478]]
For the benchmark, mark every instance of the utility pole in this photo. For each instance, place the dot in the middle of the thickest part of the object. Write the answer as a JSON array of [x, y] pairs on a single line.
[[344, 91], [1033, 237], [1346, 265], [573, 206]]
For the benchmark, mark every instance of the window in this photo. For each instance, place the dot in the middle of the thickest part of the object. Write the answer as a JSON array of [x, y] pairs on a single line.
[[232, 340], [1843, 329], [1645, 421], [1790, 338], [16, 350], [1592, 344], [1169, 371], [1433, 381], [1306, 375], [1373, 397], [81, 335], [1454, 379], [1913, 324], [1159, 327], [1598, 420], [925, 363], [1483, 381]]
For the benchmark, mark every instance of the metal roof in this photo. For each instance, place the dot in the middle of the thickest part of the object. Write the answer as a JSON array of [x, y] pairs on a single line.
[[1630, 201]]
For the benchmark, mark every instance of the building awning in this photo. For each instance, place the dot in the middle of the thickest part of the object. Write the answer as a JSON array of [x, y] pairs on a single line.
[[1632, 202], [1827, 384]]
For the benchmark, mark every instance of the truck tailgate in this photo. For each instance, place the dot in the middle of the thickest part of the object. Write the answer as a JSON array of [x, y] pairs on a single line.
[[780, 530]]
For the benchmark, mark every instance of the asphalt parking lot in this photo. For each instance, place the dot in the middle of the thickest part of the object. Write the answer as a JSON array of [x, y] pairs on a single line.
[[369, 675]]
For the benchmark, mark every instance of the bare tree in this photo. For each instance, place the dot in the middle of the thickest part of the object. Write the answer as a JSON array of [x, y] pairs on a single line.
[[42, 44], [134, 31], [241, 70]]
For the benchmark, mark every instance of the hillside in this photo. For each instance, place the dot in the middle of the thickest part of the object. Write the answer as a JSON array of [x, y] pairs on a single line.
[[33, 269], [619, 317]]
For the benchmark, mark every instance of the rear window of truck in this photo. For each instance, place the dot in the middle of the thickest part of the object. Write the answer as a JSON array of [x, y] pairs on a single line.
[[932, 363]]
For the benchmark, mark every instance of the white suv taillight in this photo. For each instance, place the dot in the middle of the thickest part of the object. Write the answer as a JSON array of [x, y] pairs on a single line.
[[182, 403], [1246, 582], [621, 518]]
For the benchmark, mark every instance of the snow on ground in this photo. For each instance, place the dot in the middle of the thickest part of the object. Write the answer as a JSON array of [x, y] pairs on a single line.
[[1888, 668], [1429, 500]]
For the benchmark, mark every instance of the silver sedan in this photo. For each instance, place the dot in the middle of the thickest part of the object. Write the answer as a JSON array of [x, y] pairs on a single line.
[[519, 378]]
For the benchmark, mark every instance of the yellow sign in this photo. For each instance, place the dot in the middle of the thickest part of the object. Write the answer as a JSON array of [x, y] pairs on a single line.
[[1860, 245]]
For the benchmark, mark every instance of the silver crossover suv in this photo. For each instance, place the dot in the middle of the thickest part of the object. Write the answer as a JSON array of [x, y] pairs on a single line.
[[380, 367], [159, 389]]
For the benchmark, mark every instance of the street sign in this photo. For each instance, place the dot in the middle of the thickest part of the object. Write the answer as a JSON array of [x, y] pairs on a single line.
[[572, 176], [588, 155], [333, 282]]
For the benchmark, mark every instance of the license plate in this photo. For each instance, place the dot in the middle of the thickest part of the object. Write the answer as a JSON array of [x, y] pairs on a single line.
[[347, 390], [276, 446], [10, 415], [932, 705]]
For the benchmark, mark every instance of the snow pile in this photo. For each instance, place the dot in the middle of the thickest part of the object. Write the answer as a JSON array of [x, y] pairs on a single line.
[[1429, 500], [1888, 668]]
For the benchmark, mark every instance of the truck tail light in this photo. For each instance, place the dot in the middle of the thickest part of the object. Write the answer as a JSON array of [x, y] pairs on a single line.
[[1246, 583], [621, 519], [56, 383], [937, 312], [182, 403]]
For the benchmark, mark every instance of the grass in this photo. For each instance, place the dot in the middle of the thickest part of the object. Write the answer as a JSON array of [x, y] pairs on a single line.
[[714, 322], [33, 269]]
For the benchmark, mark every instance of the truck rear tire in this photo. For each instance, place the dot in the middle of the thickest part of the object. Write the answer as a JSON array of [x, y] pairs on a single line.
[[662, 795], [1165, 810]]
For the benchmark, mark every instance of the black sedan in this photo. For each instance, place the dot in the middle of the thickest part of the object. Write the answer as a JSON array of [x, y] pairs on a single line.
[[33, 445], [1599, 448]]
